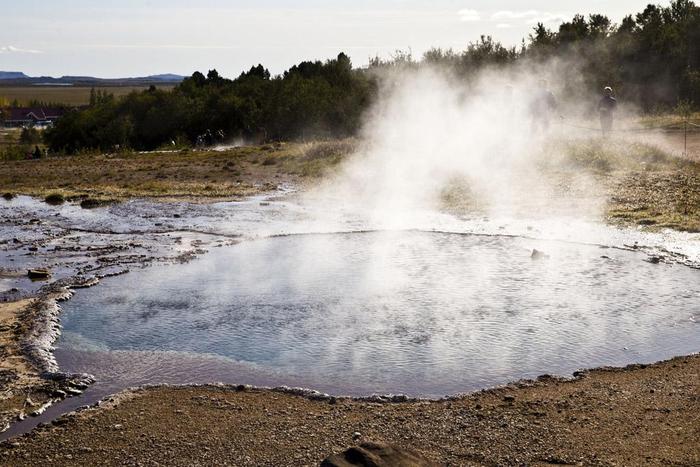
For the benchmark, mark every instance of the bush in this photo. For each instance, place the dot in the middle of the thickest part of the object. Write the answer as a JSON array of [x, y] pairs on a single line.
[[15, 153], [30, 136], [54, 199]]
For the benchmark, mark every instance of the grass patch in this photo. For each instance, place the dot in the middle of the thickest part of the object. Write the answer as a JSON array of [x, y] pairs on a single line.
[[603, 155], [208, 174]]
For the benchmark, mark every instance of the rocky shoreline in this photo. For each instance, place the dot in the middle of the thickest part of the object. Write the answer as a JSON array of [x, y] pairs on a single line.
[[637, 415]]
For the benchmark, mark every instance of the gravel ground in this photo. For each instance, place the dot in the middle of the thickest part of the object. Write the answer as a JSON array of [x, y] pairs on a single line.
[[640, 415]]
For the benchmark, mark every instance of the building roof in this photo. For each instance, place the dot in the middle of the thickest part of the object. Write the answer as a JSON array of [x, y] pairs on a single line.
[[25, 114]]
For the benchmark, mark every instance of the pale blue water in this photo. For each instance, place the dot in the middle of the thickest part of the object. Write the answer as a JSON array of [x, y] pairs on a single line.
[[419, 313]]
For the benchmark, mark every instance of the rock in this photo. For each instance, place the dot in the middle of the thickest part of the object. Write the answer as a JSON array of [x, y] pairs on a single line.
[[653, 259], [537, 254], [375, 454], [8, 196], [40, 273], [58, 393], [356, 436]]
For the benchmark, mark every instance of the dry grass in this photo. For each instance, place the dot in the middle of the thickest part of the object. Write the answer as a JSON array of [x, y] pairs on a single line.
[[645, 185], [628, 182], [665, 120], [198, 174], [9, 136]]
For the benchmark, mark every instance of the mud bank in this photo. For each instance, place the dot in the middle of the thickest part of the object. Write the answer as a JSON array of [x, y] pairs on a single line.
[[30, 380], [630, 416]]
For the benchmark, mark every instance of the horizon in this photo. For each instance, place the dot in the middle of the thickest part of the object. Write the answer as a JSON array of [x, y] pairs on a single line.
[[127, 39]]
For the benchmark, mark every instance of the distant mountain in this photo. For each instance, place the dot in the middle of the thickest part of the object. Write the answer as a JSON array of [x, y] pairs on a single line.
[[17, 78], [12, 75], [166, 77]]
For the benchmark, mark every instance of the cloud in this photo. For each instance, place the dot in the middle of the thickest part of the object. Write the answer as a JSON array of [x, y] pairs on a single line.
[[503, 25], [9, 49], [530, 16], [469, 15]]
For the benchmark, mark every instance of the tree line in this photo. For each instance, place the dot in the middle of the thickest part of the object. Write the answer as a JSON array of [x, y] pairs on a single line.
[[651, 58]]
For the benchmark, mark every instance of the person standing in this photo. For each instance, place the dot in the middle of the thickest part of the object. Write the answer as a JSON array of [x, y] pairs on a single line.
[[542, 106], [606, 110]]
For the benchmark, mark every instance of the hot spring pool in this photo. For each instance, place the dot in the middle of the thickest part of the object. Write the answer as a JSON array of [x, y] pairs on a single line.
[[419, 313]]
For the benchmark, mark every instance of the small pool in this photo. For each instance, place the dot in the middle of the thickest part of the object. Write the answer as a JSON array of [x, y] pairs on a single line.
[[419, 313]]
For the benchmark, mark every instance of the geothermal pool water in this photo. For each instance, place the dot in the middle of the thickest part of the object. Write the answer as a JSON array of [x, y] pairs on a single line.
[[412, 312]]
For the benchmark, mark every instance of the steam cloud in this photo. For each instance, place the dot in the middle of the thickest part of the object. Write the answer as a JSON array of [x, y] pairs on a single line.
[[434, 143]]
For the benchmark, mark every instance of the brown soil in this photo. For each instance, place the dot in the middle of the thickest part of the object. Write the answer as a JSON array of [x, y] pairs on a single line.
[[15, 370], [22, 389], [635, 416]]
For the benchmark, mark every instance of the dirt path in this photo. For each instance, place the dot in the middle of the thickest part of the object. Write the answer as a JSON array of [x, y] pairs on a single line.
[[635, 416]]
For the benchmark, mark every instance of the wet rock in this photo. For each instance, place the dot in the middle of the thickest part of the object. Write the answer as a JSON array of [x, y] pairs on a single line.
[[60, 421], [375, 454], [40, 410], [40, 273], [8, 196], [537, 254], [646, 222], [653, 259]]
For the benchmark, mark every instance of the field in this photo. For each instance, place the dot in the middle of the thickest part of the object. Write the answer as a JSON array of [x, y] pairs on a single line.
[[9, 136], [66, 95]]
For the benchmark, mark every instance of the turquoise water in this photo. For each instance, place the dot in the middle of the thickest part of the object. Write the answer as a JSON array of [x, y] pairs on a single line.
[[419, 313]]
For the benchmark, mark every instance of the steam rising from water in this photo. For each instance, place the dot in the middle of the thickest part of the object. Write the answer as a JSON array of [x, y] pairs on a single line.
[[433, 143]]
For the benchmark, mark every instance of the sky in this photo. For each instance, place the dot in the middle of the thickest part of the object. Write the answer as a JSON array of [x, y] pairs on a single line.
[[127, 38]]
